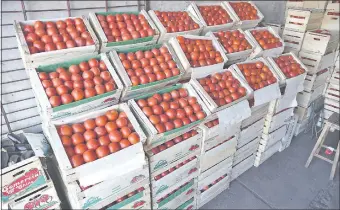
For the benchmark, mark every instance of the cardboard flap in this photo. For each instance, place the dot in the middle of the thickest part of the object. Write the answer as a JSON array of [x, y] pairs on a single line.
[[295, 84], [233, 115], [266, 94]]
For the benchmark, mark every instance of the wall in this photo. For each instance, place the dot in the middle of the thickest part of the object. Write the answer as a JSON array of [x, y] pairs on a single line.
[[17, 96]]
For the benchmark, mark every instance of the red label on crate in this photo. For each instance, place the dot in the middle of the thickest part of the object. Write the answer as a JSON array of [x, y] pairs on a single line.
[[21, 183], [43, 202], [138, 204]]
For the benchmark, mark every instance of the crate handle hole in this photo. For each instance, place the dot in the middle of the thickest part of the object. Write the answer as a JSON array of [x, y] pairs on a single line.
[[317, 39], [17, 174], [35, 197]]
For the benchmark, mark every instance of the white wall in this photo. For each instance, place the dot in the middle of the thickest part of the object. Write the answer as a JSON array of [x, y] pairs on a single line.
[[17, 96]]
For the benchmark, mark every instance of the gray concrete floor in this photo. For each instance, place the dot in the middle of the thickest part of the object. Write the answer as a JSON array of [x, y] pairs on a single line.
[[282, 182]]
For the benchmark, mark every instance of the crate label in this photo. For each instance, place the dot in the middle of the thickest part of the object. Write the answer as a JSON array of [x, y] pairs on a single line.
[[44, 201], [91, 201], [233, 115], [161, 164], [30, 180], [130, 200]]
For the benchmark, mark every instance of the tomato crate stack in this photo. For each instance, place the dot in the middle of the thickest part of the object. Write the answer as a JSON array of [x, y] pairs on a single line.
[[222, 129], [173, 142], [249, 138], [26, 183]]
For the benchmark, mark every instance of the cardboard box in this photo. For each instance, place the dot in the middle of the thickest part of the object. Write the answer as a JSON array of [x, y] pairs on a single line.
[[45, 197], [193, 8], [244, 24], [152, 134], [236, 56], [165, 36], [67, 111], [106, 46], [46, 58], [130, 91], [22, 178], [105, 168]]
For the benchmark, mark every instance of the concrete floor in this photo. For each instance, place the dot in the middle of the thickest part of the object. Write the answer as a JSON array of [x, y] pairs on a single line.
[[283, 182]]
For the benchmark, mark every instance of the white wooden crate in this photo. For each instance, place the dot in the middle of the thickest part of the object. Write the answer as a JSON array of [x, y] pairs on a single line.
[[106, 46], [315, 62], [331, 21], [189, 170], [332, 92], [213, 191], [320, 42], [303, 20], [246, 150], [259, 51], [175, 153], [286, 140], [189, 204], [130, 91], [250, 132], [210, 103], [66, 111], [45, 196], [274, 121], [332, 105], [244, 24], [242, 166], [224, 165], [21, 178], [193, 8], [268, 140], [267, 93], [236, 56], [263, 156], [335, 78], [92, 196], [302, 113], [304, 99], [202, 71], [306, 4], [224, 169], [151, 132], [313, 81], [165, 36], [176, 196], [293, 40], [333, 5], [217, 154], [45, 58], [104, 168], [256, 114]]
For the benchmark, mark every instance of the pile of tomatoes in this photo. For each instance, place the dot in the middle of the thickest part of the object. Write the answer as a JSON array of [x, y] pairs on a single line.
[[176, 21], [85, 80], [50, 36], [96, 138], [266, 39], [257, 74], [223, 88], [289, 66], [171, 110], [173, 142], [244, 10], [200, 52], [214, 15], [124, 27], [148, 66], [212, 123], [215, 182], [233, 41], [141, 189], [163, 174]]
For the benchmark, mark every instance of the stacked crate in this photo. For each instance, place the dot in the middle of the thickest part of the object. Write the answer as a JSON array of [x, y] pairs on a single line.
[[173, 155], [249, 138]]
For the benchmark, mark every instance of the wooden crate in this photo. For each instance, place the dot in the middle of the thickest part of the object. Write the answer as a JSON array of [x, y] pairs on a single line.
[[332, 105], [236, 56], [242, 166], [67, 111], [306, 4], [149, 128], [331, 21], [165, 36], [189, 204], [224, 165], [133, 155], [130, 91], [333, 5], [244, 24], [293, 40], [304, 99], [268, 140], [286, 140], [302, 113], [246, 150], [303, 20], [45, 58], [313, 81], [196, 72], [320, 42], [106, 46], [315, 62], [193, 8], [259, 51], [250, 132], [263, 156]]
